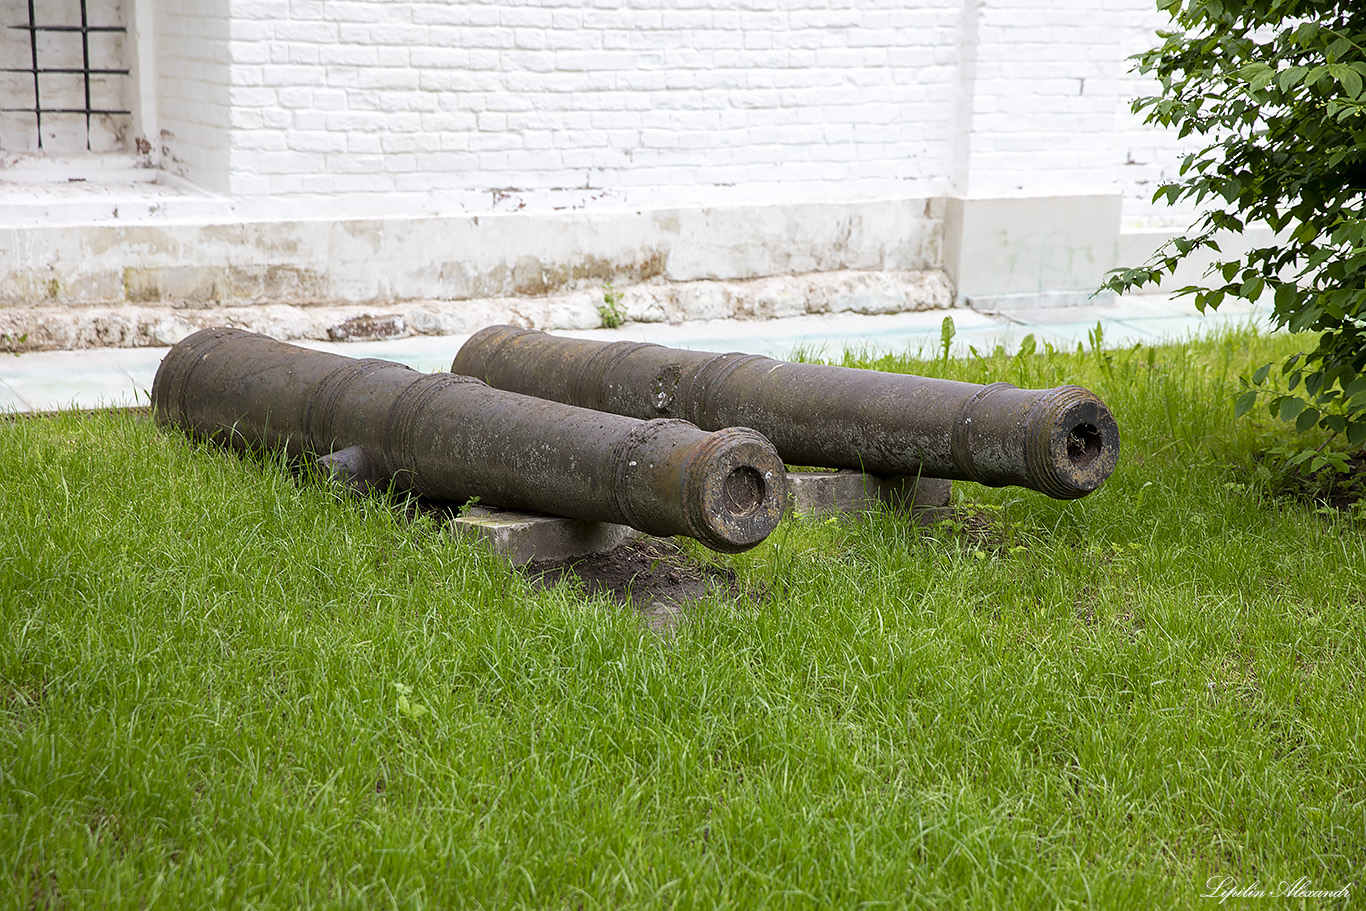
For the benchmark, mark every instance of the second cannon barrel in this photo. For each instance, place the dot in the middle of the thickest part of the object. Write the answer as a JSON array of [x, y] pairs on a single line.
[[454, 438], [1062, 442]]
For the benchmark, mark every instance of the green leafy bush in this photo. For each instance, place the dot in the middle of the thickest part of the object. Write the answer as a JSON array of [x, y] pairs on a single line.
[[1277, 88]]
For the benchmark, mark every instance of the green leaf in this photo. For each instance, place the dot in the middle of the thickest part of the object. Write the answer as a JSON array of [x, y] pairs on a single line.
[[406, 707], [1260, 376], [1352, 82], [1347, 77], [1306, 33], [1308, 419], [1245, 403], [1291, 77], [1290, 407], [1252, 288], [1257, 75]]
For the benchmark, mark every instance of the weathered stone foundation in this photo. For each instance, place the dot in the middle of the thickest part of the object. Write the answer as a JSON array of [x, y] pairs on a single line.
[[44, 326]]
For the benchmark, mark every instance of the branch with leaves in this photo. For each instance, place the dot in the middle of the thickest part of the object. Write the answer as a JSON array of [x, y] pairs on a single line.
[[1277, 87]]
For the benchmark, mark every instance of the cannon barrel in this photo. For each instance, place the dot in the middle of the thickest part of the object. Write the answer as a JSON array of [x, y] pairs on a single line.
[[1063, 441], [454, 438]]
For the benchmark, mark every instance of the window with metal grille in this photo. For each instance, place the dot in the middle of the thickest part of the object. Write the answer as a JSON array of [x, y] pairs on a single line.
[[64, 80]]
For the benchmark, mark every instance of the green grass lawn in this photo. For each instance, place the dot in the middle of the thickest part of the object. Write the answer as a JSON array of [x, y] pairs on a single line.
[[223, 687]]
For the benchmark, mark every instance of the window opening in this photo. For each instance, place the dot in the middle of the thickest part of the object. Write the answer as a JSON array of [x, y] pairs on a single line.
[[85, 71]]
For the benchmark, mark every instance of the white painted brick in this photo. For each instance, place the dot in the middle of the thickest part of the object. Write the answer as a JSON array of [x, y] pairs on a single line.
[[248, 96], [665, 99], [306, 9], [308, 140], [308, 32], [359, 145], [289, 97], [276, 118], [310, 54], [264, 140]]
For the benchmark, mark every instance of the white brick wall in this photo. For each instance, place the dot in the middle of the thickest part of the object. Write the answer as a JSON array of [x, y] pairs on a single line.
[[195, 91], [438, 106], [551, 104], [1038, 94]]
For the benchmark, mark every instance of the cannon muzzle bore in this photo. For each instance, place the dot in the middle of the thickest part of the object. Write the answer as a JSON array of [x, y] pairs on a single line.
[[453, 438], [1063, 442]]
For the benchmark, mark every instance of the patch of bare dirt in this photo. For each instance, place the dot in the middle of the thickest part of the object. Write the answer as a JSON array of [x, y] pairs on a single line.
[[651, 575], [981, 529], [1338, 490]]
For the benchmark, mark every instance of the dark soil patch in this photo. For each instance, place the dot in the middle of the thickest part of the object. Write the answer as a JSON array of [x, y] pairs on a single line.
[[981, 529], [651, 575], [976, 529], [1338, 490]]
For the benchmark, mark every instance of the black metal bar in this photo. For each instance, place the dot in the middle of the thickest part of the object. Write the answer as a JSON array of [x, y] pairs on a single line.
[[33, 49], [26, 69], [71, 28], [85, 65], [60, 111]]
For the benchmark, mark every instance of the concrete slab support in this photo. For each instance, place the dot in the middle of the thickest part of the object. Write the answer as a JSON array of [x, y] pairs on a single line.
[[848, 491], [521, 537]]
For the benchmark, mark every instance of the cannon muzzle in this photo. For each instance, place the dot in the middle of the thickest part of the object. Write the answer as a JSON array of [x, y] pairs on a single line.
[[1062, 442], [454, 438]]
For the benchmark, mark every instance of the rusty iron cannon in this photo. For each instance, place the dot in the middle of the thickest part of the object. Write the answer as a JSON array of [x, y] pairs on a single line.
[[453, 438], [1062, 442]]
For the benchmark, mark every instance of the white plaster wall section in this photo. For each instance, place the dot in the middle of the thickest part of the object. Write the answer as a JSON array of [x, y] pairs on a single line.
[[965, 89], [1035, 172], [143, 83], [385, 260], [195, 94], [442, 107], [1051, 250], [753, 241]]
